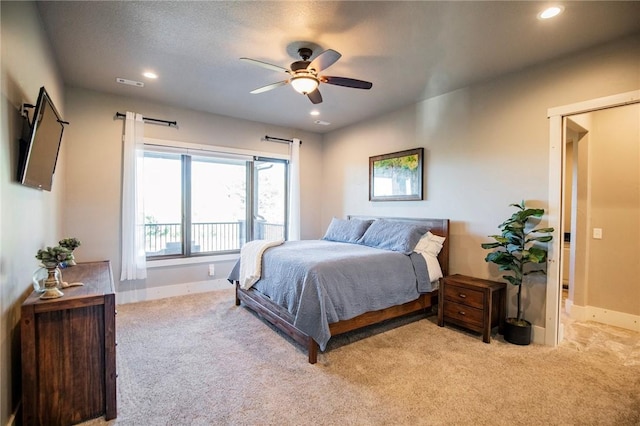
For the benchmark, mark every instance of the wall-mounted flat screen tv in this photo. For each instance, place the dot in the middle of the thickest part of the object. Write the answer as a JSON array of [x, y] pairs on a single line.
[[39, 150]]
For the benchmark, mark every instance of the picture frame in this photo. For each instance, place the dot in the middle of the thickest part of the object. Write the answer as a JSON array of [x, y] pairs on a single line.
[[396, 176]]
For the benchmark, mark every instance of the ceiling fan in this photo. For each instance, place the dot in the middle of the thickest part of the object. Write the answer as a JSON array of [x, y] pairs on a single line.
[[305, 77]]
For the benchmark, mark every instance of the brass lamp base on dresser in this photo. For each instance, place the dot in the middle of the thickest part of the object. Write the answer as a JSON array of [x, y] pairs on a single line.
[[472, 303], [69, 350]]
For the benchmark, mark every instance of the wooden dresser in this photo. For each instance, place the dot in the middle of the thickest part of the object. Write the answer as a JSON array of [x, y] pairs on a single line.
[[69, 350], [472, 303]]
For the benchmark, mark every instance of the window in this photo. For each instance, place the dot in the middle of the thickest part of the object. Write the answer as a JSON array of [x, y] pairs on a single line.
[[209, 204], [269, 206]]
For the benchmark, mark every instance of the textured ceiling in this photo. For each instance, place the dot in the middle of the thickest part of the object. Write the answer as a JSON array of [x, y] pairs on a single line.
[[409, 50]]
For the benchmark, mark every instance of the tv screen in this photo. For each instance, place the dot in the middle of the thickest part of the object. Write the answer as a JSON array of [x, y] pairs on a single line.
[[39, 152]]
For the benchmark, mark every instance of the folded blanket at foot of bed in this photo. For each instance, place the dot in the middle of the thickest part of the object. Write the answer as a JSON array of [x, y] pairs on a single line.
[[251, 261]]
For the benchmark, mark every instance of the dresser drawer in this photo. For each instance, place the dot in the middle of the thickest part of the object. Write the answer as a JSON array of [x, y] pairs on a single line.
[[464, 295], [463, 313]]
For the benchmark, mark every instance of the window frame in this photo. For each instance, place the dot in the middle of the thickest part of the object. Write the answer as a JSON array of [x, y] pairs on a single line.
[[251, 191], [189, 150]]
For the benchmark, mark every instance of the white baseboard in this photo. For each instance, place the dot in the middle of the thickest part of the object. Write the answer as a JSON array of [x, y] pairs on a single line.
[[537, 334], [153, 293], [568, 304], [604, 316]]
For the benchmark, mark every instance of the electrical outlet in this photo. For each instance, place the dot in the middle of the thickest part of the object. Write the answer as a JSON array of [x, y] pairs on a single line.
[[212, 270], [597, 233]]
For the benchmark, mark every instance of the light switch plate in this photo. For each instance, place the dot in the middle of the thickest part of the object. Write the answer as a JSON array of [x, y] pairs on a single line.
[[597, 233]]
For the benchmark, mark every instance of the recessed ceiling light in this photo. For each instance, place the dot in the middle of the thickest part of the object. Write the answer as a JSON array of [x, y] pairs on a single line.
[[315, 112], [150, 74], [550, 12]]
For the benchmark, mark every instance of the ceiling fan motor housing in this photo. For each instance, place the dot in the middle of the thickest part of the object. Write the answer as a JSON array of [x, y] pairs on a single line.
[[305, 53], [299, 65]]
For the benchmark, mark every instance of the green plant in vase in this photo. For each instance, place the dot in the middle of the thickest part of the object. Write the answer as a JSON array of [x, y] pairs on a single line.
[[70, 244], [51, 257], [516, 250]]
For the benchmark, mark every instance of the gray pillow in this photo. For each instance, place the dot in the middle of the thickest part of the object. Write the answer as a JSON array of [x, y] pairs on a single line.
[[393, 235], [346, 231]]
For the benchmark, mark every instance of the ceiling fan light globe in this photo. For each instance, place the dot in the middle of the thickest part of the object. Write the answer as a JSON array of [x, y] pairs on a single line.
[[304, 84]]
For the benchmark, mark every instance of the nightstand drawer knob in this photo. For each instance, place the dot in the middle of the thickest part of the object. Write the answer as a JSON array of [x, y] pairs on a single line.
[[462, 296], [462, 312]]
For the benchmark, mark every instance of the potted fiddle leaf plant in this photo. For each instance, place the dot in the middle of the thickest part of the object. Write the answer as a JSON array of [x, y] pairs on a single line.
[[517, 250]]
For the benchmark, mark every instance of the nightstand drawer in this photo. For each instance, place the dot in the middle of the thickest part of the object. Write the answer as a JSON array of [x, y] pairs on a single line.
[[463, 313], [465, 296]]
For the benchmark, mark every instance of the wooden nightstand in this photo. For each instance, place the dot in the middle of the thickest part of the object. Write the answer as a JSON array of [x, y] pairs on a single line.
[[472, 303]]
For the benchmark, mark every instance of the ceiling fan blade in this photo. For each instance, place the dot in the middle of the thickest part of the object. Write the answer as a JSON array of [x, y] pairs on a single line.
[[324, 60], [269, 87], [315, 96], [265, 65], [347, 82]]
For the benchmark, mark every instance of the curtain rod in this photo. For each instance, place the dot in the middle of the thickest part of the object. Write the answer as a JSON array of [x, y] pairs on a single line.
[[272, 139], [156, 120]]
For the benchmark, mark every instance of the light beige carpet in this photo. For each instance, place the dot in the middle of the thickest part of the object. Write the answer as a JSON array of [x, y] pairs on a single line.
[[200, 360]]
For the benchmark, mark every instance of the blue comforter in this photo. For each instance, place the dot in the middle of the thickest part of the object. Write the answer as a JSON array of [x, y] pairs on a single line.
[[320, 282]]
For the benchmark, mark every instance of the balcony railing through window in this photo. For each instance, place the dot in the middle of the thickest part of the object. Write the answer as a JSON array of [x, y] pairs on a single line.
[[162, 239]]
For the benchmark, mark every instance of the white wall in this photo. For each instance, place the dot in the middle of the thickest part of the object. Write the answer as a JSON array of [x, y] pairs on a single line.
[[29, 219], [92, 204], [486, 146]]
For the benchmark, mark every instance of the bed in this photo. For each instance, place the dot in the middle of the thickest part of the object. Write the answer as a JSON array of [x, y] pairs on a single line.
[[361, 273]]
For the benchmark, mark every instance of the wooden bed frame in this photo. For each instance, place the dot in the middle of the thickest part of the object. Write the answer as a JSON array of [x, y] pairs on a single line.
[[283, 320]]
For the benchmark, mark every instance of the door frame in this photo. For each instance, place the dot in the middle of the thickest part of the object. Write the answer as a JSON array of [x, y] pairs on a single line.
[[556, 116]]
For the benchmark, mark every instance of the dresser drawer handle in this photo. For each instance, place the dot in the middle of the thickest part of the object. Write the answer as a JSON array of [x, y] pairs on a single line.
[[462, 296], [462, 312]]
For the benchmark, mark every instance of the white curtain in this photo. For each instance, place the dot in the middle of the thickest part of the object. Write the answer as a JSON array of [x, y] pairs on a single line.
[[294, 190], [133, 252]]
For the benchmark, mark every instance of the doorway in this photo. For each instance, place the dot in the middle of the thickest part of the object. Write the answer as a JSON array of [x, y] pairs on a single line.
[[558, 118]]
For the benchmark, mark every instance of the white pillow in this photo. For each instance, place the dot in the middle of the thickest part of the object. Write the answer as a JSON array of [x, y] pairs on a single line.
[[433, 267], [429, 244]]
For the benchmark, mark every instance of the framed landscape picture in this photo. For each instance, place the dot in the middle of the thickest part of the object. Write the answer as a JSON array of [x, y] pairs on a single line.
[[396, 176]]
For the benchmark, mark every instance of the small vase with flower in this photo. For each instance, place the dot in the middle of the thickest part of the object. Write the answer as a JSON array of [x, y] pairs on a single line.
[[70, 244], [51, 257]]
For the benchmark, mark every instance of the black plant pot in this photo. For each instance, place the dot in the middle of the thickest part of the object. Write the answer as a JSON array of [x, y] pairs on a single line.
[[518, 334]]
